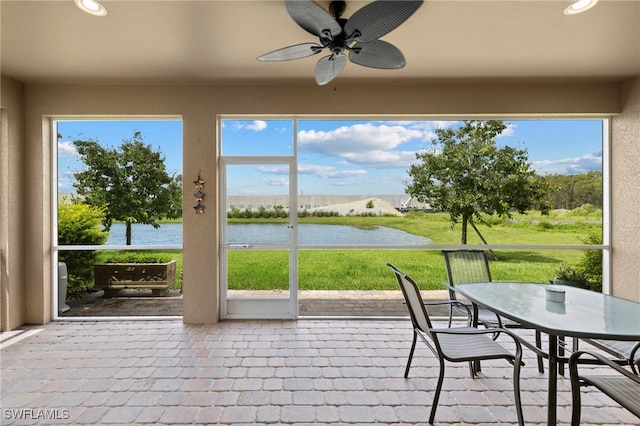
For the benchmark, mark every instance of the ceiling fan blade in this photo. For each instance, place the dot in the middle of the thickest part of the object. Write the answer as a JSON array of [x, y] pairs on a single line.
[[329, 67], [379, 18], [377, 54], [312, 17], [296, 51]]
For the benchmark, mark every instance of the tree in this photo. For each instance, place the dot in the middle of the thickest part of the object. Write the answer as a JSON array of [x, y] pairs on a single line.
[[572, 191], [131, 183], [467, 176]]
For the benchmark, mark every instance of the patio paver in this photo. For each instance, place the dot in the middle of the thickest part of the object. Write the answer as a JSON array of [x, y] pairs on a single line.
[[317, 372]]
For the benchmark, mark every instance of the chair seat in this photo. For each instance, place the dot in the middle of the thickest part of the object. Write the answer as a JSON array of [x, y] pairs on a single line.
[[626, 350], [469, 347], [621, 389]]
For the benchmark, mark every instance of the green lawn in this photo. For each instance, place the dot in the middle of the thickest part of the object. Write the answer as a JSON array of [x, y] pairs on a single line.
[[367, 270]]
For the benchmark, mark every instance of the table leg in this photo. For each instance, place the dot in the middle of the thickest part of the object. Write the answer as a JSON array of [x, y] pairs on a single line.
[[475, 365], [553, 380]]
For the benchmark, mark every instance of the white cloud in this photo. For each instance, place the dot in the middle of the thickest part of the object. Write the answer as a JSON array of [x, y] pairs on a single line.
[[509, 131], [383, 159], [328, 171], [256, 125], [273, 170], [312, 169], [242, 190], [372, 144], [359, 138], [279, 181], [67, 149], [569, 166]]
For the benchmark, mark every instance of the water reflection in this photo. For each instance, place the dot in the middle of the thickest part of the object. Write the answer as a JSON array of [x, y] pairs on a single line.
[[270, 233], [320, 234]]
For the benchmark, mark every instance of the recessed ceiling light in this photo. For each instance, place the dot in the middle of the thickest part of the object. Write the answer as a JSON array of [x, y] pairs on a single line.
[[580, 6], [92, 7]]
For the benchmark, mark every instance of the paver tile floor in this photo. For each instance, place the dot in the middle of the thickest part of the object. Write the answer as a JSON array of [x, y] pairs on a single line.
[[305, 372], [310, 303]]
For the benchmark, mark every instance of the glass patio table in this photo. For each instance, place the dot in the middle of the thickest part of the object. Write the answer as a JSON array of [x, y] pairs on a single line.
[[583, 314]]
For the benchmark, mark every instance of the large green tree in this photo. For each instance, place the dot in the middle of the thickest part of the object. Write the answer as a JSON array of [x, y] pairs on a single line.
[[468, 176], [131, 183]]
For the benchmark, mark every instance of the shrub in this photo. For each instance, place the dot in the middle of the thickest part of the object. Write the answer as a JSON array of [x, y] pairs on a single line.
[[545, 224], [79, 224], [591, 262], [585, 210], [570, 273], [588, 270], [136, 257], [370, 204]]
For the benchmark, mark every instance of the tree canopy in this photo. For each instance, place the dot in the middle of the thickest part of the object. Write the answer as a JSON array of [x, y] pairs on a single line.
[[572, 191], [131, 183], [468, 176]]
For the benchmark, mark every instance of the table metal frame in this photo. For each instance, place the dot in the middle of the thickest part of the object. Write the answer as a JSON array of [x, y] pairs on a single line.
[[583, 314]]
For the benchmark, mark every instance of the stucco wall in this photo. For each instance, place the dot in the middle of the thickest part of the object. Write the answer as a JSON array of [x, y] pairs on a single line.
[[625, 195], [12, 185], [199, 105]]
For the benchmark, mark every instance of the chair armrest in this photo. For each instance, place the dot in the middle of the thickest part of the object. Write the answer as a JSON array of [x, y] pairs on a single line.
[[450, 303], [598, 359]]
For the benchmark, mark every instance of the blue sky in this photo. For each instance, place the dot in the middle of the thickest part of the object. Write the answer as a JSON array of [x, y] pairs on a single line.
[[363, 157], [162, 135]]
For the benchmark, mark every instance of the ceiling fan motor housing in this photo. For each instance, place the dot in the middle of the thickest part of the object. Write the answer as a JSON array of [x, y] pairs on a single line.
[[337, 8]]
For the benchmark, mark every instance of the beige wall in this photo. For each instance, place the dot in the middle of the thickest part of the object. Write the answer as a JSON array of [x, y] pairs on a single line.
[[199, 105], [625, 195], [13, 311]]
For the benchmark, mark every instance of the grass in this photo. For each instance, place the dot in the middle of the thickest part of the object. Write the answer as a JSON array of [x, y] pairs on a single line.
[[366, 269]]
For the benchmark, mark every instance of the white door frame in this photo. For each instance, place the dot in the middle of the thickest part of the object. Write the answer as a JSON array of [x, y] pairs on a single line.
[[264, 307]]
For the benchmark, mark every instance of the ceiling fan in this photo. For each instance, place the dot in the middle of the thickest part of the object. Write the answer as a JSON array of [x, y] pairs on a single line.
[[358, 36]]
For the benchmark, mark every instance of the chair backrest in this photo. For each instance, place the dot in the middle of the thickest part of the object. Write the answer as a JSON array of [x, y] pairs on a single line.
[[415, 304], [466, 266]]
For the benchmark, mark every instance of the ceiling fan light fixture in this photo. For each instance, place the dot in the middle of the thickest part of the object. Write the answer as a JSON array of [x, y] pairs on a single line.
[[580, 6], [91, 7]]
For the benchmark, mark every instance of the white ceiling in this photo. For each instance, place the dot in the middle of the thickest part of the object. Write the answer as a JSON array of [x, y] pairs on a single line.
[[202, 42]]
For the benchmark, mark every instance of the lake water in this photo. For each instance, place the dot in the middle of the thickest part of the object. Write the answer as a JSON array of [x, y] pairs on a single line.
[[171, 234]]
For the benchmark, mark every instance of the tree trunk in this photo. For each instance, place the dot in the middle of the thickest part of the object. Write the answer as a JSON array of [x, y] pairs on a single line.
[[492, 254], [463, 238], [128, 233]]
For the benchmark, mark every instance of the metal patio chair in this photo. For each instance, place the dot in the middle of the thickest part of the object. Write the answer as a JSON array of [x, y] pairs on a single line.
[[472, 266], [622, 385], [627, 352], [457, 344]]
